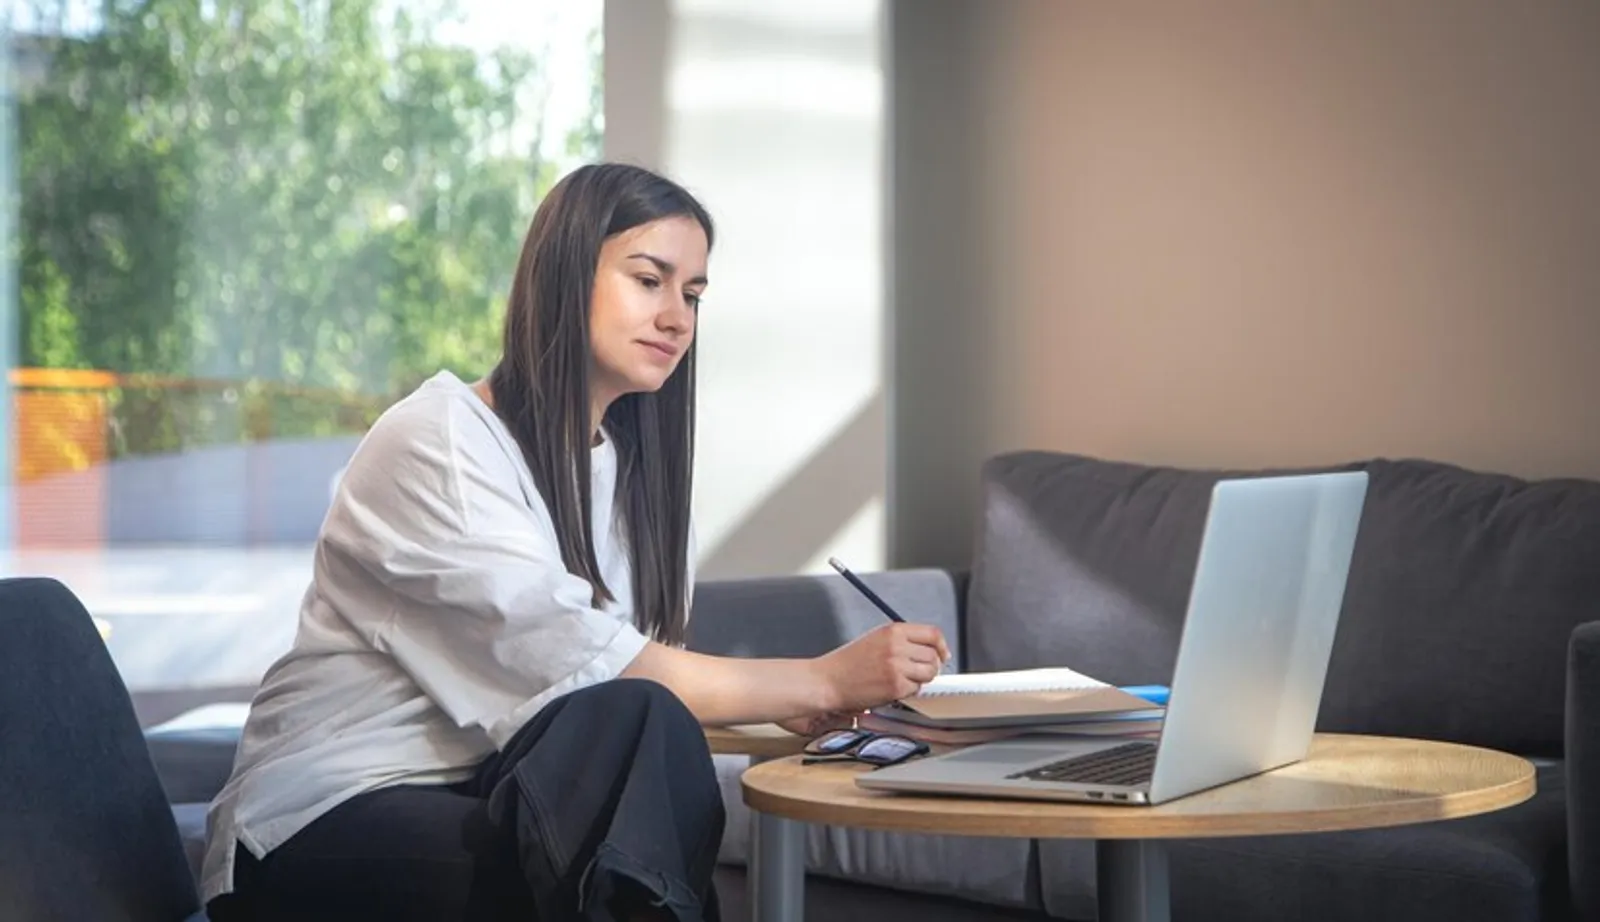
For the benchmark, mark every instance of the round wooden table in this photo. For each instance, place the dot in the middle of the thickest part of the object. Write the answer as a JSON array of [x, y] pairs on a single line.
[[1345, 782]]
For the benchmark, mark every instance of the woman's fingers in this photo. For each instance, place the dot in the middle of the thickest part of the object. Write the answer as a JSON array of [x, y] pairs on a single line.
[[920, 670], [928, 641]]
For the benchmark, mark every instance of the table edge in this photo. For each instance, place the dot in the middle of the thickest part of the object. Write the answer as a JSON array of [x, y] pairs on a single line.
[[764, 741], [1138, 822]]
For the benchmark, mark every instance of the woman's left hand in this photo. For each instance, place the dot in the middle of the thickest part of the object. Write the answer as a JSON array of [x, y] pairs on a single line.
[[818, 724]]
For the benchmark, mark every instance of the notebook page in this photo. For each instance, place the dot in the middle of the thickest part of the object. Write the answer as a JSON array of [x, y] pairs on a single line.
[[1055, 678]]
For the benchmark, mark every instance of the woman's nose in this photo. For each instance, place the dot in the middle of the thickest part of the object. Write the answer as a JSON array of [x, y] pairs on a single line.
[[678, 318]]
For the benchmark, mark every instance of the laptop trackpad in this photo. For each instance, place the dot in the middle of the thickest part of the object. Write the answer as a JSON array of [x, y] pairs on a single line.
[[1004, 755]]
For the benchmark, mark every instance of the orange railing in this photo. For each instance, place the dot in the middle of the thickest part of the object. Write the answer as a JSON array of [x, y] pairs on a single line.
[[60, 416]]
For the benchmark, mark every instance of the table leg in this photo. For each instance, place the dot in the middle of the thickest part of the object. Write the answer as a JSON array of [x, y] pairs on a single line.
[[1131, 875], [777, 872]]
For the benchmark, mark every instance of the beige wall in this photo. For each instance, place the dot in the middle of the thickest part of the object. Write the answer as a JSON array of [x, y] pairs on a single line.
[[1239, 233], [772, 113]]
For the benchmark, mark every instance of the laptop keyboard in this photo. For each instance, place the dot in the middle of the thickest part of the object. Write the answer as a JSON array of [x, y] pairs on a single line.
[[1126, 765]]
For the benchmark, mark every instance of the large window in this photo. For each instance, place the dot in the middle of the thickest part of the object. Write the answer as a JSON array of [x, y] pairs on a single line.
[[237, 230]]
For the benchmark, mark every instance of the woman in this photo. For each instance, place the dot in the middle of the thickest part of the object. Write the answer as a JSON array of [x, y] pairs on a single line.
[[487, 712]]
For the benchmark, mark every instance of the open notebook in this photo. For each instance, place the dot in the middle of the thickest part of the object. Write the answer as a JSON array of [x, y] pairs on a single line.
[[1054, 695]]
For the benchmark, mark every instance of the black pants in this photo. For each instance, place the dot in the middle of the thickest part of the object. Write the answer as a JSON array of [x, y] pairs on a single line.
[[603, 807]]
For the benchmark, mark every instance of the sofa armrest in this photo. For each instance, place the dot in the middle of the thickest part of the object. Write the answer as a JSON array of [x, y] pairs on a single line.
[[1583, 769], [810, 615], [193, 764]]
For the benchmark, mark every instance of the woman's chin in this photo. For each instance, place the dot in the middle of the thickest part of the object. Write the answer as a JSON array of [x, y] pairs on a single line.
[[646, 384]]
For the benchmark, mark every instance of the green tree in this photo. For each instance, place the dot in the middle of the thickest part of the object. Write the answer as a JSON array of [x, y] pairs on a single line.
[[305, 197]]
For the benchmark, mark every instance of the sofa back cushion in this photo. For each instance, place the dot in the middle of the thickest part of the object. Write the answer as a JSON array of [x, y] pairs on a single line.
[[1463, 590], [1464, 593], [1084, 563]]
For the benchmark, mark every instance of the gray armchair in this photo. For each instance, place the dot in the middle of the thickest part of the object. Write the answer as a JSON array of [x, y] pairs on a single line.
[[86, 831]]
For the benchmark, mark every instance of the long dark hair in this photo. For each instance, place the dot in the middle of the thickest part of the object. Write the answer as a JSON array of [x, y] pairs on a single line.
[[541, 390]]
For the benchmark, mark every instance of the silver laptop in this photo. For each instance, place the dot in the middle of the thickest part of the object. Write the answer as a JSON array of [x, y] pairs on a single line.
[[1252, 659]]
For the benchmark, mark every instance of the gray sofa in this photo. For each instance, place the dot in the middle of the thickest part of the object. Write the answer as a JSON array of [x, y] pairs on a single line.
[[1472, 615]]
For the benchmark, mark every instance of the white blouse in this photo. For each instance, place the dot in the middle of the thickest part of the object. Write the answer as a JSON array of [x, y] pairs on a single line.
[[439, 619]]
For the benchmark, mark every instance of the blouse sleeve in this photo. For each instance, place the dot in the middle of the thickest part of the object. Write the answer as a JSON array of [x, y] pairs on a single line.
[[460, 578]]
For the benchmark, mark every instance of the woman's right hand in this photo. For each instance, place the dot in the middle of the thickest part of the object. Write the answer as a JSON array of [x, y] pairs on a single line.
[[883, 665]]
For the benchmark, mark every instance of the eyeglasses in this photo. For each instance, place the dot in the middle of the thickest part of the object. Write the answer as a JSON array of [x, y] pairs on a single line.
[[854, 745]]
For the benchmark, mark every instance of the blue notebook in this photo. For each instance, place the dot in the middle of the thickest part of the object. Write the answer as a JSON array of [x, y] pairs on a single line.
[[1155, 694]]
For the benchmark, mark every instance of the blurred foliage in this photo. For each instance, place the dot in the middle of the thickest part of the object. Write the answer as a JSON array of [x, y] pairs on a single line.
[[313, 202]]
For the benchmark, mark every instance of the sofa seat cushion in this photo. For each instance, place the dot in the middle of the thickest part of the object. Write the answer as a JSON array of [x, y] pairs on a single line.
[[1505, 866], [984, 870]]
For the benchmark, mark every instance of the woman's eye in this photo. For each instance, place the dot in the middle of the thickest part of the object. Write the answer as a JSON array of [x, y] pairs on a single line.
[[693, 299], [649, 281]]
